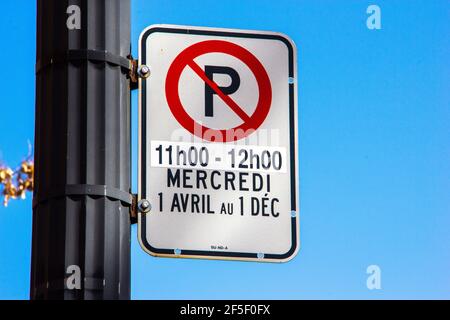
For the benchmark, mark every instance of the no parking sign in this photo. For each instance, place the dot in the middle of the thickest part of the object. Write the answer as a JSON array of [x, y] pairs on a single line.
[[187, 59], [218, 144]]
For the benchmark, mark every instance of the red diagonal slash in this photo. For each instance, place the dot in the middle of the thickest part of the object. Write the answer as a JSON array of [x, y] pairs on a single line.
[[230, 102]]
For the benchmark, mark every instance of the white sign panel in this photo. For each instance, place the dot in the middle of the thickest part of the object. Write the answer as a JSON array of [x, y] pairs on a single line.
[[218, 144]]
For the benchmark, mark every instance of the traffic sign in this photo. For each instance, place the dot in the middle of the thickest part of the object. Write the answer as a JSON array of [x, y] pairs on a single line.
[[186, 58], [218, 171]]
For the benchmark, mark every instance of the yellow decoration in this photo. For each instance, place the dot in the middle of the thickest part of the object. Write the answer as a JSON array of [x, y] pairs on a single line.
[[15, 183]]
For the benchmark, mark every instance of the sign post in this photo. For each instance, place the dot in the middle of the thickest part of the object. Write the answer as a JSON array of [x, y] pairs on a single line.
[[218, 169], [81, 200]]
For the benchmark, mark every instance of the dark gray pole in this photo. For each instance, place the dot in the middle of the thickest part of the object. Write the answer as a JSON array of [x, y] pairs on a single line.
[[82, 176]]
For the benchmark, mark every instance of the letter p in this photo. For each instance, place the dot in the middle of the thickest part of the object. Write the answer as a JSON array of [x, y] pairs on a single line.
[[209, 92]]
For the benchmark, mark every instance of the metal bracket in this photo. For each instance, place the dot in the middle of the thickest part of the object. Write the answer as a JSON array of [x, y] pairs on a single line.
[[133, 209], [142, 205], [136, 72], [134, 77]]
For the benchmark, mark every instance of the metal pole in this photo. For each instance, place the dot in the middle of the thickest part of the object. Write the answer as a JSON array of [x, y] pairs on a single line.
[[82, 177]]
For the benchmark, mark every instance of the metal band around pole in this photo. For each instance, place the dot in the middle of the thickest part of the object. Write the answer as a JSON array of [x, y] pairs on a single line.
[[83, 54], [85, 189]]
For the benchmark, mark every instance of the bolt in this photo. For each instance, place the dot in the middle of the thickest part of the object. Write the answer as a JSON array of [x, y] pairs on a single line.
[[144, 205], [144, 71]]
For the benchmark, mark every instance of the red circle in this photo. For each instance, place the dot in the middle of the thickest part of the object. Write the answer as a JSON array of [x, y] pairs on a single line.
[[209, 46]]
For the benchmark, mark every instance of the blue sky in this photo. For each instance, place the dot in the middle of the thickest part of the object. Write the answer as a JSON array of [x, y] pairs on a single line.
[[374, 148]]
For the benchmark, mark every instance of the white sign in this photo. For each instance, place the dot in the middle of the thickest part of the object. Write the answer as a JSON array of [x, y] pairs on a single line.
[[218, 144]]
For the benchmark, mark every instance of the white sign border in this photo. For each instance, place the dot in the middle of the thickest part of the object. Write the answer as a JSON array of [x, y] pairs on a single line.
[[293, 115]]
